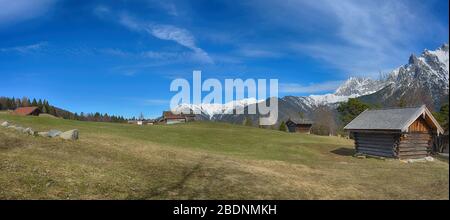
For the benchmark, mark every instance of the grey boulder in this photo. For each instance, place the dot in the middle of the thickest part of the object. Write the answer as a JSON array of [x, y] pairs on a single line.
[[54, 133], [5, 124], [29, 131], [43, 134], [70, 135], [20, 129]]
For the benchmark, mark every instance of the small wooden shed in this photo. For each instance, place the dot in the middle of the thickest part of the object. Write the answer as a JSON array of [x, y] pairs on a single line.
[[170, 117], [25, 111], [299, 126], [396, 133]]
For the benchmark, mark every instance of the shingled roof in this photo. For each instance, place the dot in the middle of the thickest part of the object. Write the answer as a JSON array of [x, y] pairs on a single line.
[[395, 119], [301, 121], [25, 110]]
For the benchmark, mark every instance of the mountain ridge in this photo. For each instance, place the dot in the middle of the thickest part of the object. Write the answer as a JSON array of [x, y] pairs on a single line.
[[424, 78]]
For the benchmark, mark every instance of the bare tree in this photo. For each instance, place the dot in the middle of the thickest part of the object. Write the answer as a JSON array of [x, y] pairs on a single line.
[[324, 121]]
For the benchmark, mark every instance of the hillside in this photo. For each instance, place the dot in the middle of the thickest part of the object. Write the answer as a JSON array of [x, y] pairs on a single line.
[[201, 160]]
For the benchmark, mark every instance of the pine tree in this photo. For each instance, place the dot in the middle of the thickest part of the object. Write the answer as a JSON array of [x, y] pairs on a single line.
[[34, 103], [25, 102], [40, 104], [283, 126]]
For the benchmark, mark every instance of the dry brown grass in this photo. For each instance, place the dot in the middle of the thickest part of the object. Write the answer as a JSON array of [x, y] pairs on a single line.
[[201, 161]]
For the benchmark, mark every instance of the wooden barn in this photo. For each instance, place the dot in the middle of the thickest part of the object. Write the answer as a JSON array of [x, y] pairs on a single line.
[[173, 118], [299, 126], [25, 111], [395, 133]]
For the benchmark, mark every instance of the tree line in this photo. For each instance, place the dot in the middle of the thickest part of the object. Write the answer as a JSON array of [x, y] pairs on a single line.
[[46, 108]]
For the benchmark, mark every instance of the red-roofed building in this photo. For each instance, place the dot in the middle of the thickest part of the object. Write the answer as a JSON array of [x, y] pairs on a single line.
[[27, 111], [171, 118]]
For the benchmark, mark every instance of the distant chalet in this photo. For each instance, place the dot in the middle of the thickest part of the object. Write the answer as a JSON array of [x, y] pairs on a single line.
[[172, 118], [396, 133], [26, 111], [299, 126]]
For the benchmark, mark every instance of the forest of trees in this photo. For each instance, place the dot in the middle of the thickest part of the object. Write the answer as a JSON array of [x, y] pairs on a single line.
[[44, 106]]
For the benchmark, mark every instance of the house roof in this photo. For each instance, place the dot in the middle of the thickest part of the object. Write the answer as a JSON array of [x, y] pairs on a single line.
[[301, 121], [172, 115], [395, 119], [25, 110]]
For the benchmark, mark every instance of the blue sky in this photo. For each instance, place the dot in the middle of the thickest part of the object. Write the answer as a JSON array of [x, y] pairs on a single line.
[[120, 56]]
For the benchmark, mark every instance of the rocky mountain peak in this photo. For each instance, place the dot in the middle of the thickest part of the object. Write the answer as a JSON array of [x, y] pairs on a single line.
[[357, 86], [413, 60]]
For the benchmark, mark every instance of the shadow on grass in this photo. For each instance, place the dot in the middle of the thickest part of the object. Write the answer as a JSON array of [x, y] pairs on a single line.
[[442, 157], [344, 151]]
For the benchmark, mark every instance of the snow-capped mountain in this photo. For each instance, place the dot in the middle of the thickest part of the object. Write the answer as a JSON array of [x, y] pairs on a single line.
[[210, 110], [425, 79], [359, 86], [352, 88]]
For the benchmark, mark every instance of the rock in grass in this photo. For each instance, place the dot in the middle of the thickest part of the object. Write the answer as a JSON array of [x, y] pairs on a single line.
[[43, 134], [70, 135], [5, 124], [20, 129], [54, 133], [29, 131]]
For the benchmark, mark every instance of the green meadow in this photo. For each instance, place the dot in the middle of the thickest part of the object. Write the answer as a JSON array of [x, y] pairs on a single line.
[[200, 160]]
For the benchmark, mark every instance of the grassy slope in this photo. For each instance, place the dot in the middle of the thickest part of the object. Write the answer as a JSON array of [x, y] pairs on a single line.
[[200, 161]]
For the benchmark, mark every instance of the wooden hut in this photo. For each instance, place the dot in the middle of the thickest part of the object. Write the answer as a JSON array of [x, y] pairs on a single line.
[[299, 126], [26, 111], [396, 133], [170, 117]]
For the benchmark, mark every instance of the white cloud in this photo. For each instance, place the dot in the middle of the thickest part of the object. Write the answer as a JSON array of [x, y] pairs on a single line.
[[295, 88], [25, 48], [258, 53], [178, 35], [16, 11], [356, 36]]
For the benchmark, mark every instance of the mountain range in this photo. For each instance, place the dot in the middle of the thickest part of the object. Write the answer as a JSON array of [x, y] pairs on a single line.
[[423, 80]]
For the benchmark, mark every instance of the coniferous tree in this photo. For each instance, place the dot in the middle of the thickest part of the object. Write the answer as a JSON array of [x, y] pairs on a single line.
[[44, 109], [350, 109], [282, 126], [25, 102], [39, 104], [34, 103]]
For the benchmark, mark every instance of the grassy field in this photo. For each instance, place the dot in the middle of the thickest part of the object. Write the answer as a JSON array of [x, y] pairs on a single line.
[[200, 161]]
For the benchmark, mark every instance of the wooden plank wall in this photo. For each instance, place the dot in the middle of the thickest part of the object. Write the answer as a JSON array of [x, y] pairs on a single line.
[[304, 128], [420, 125], [415, 145], [377, 144]]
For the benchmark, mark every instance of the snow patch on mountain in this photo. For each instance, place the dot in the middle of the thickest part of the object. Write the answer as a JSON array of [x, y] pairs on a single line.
[[210, 109], [431, 69]]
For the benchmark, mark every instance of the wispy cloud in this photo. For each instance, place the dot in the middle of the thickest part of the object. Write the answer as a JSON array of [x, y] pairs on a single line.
[[166, 32], [24, 49], [356, 36], [16, 11], [255, 52], [294, 88]]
